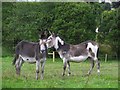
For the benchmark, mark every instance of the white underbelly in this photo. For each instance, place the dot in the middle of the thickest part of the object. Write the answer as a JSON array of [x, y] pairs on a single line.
[[78, 58], [28, 59], [31, 59]]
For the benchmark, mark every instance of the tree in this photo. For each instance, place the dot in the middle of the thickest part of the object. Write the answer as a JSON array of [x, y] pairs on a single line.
[[78, 20], [73, 21], [109, 30]]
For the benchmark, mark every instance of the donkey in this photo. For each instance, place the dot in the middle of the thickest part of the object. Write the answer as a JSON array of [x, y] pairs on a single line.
[[74, 53], [31, 52]]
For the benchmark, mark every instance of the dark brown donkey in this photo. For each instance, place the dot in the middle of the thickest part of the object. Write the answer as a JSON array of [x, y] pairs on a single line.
[[31, 52]]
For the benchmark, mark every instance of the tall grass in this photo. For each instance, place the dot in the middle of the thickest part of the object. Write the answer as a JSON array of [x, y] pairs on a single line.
[[53, 78]]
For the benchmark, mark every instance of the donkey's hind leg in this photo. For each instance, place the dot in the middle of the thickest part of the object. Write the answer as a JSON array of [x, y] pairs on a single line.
[[92, 66], [64, 67], [98, 65], [18, 65]]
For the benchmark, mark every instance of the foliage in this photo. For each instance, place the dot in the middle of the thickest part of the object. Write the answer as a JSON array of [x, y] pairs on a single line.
[[109, 30], [74, 22]]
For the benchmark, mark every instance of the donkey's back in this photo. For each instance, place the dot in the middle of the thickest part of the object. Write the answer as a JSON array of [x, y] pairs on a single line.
[[25, 49]]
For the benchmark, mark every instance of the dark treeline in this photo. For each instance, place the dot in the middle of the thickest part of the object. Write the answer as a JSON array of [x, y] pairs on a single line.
[[74, 22]]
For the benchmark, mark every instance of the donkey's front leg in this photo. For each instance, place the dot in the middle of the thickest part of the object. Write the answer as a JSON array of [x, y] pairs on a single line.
[[42, 68], [68, 66], [37, 68], [64, 66]]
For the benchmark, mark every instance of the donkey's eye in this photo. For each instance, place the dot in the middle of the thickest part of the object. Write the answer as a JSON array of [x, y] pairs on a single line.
[[50, 38]]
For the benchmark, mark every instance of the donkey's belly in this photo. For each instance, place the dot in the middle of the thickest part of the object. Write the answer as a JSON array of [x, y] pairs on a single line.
[[78, 58], [28, 59]]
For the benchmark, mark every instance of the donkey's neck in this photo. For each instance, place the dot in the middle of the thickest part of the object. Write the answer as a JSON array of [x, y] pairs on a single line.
[[64, 47], [58, 41]]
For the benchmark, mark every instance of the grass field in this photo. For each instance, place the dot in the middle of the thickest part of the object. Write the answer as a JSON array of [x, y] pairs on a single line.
[[53, 78], [0, 72]]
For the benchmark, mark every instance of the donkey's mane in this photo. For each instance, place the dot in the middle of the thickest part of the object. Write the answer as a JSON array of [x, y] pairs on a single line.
[[64, 47]]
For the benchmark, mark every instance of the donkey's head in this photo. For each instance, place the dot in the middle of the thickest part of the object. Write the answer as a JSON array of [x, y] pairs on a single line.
[[43, 39], [53, 40]]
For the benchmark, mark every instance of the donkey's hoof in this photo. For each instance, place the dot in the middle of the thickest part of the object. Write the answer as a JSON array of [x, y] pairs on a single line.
[[69, 74], [86, 75], [63, 74], [36, 78], [41, 78], [98, 71]]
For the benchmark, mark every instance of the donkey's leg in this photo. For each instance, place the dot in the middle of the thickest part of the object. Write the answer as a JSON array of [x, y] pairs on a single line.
[[92, 66], [42, 68], [64, 67], [68, 66], [37, 68], [98, 65], [18, 65]]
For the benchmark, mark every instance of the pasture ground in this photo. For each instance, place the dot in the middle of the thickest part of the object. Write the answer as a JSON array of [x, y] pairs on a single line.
[[0, 72], [53, 78]]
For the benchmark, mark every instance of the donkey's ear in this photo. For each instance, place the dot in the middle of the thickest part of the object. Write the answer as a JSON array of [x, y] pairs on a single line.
[[50, 32], [42, 34], [39, 32], [57, 34], [54, 34], [46, 33]]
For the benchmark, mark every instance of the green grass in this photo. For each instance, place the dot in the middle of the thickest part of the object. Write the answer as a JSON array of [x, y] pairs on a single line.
[[53, 78], [0, 72]]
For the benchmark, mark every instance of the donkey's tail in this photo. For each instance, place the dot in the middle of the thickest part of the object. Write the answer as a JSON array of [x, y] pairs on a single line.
[[14, 60], [16, 54]]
